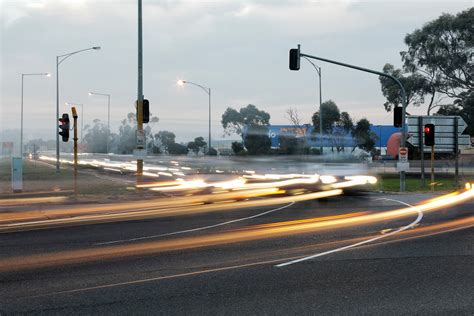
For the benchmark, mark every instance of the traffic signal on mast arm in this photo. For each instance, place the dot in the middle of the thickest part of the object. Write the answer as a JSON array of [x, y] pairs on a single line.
[[64, 127], [397, 116], [429, 134], [295, 58]]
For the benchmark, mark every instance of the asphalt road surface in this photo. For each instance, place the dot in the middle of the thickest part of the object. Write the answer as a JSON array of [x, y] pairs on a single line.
[[227, 263]]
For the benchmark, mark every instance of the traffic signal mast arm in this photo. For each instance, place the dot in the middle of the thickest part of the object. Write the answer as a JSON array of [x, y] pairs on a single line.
[[402, 89], [295, 56]]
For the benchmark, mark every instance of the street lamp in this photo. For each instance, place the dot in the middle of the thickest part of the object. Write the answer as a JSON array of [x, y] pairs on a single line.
[[208, 91], [108, 114], [82, 115], [59, 60], [22, 80], [318, 70]]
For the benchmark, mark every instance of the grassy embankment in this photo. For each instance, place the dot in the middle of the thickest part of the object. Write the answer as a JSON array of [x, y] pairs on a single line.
[[39, 177]]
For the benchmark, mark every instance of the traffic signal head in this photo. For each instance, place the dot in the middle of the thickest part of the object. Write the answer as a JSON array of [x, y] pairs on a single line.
[[64, 127], [146, 111], [295, 58], [397, 116], [429, 134]]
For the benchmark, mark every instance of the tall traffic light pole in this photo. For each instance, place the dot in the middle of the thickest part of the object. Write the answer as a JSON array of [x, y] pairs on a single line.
[[140, 132], [295, 55]]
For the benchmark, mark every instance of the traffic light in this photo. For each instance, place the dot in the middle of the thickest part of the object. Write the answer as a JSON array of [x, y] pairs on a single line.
[[397, 116], [64, 127], [146, 111], [295, 59], [429, 134]]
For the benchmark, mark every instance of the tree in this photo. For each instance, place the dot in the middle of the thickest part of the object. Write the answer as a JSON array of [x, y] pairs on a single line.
[[234, 121], [463, 107], [125, 141], [163, 140], [331, 115], [95, 138], [341, 129], [364, 138], [237, 147], [197, 145], [443, 49], [294, 118], [177, 149], [416, 87], [256, 140]]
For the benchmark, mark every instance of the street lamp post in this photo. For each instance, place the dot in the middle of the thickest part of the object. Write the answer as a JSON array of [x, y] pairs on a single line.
[[318, 70], [22, 89], [82, 116], [59, 60], [208, 91], [108, 115]]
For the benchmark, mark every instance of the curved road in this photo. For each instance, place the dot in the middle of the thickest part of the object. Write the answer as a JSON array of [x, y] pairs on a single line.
[[228, 262]]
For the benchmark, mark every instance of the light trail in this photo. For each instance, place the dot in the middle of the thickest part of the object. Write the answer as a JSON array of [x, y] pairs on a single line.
[[224, 238], [29, 201], [427, 231], [154, 212], [197, 228], [364, 242]]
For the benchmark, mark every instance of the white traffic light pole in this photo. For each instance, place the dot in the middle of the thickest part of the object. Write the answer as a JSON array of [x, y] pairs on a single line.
[[403, 95], [59, 60], [108, 116], [208, 92]]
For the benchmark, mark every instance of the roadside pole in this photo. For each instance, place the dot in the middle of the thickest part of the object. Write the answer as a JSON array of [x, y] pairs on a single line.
[[456, 152], [140, 138], [74, 115], [432, 167], [422, 150]]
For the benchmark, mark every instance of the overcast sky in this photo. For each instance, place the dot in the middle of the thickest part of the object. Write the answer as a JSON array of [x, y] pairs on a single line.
[[237, 48]]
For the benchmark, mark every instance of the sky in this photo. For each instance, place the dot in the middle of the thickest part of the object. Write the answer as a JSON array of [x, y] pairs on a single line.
[[239, 49]]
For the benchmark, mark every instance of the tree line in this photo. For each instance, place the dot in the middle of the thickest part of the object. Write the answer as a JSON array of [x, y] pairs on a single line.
[[252, 125]]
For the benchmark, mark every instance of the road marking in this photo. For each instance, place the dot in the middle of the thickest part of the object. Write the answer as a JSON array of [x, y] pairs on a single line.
[[321, 254], [194, 229]]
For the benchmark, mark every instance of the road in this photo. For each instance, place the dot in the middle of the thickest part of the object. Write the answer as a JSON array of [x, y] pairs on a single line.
[[425, 269], [227, 262]]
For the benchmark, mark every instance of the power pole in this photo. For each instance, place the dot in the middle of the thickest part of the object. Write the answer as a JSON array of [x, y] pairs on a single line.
[[74, 115], [140, 133]]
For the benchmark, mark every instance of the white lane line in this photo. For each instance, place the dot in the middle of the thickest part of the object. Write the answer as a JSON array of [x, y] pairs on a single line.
[[411, 225], [195, 229]]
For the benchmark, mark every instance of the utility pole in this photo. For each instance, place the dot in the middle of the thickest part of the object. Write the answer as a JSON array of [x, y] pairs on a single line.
[[140, 133], [209, 145], [74, 115]]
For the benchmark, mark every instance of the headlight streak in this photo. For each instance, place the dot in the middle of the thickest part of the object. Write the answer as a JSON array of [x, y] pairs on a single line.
[[252, 234], [364, 242], [196, 229], [14, 222]]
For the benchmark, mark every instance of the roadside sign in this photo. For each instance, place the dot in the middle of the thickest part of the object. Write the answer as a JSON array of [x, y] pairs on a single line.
[[445, 137], [403, 154], [403, 166], [139, 153], [140, 138], [17, 174]]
